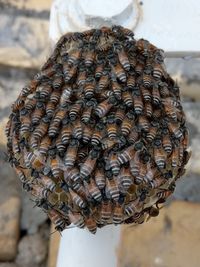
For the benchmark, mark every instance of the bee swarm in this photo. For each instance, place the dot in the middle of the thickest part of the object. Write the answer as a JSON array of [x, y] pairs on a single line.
[[98, 136]]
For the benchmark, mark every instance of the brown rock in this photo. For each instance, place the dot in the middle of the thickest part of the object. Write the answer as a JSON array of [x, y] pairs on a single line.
[[32, 251], [9, 228], [171, 239], [53, 247]]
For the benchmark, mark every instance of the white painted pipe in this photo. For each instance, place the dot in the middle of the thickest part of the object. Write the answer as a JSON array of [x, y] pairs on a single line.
[[79, 248]]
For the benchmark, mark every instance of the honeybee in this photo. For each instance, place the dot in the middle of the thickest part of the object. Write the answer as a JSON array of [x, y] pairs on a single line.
[[55, 97], [119, 72], [135, 164], [125, 178], [66, 133], [47, 183], [131, 81], [72, 174], [21, 174], [139, 68], [133, 207], [34, 160], [76, 218], [45, 91], [126, 155], [137, 100], [25, 126], [60, 146], [41, 129], [158, 71], [75, 109], [99, 68], [156, 182], [50, 107], [38, 113], [91, 225], [127, 98], [164, 91], [113, 164], [74, 56], [123, 59], [111, 127], [98, 134], [100, 178], [69, 72], [103, 81], [156, 95], [140, 178], [117, 213], [116, 87], [39, 191], [77, 199], [93, 190], [103, 108], [88, 166], [127, 123], [175, 157], [77, 131], [89, 57], [81, 78], [147, 80], [89, 87], [18, 104], [174, 128], [167, 145], [112, 189], [56, 165], [106, 211], [159, 156], [71, 154], [66, 94], [57, 219], [143, 123], [148, 109], [185, 140], [169, 108], [57, 82], [133, 136], [120, 114]]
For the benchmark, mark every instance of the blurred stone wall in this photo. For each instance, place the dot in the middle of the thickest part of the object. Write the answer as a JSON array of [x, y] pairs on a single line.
[[24, 231]]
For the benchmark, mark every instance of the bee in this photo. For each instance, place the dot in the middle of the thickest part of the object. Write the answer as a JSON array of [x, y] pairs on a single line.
[[150, 173], [71, 154], [127, 123], [116, 87], [45, 91], [112, 188], [164, 194], [106, 211], [18, 104], [30, 104], [143, 123], [87, 133], [145, 47], [148, 109], [156, 95], [147, 80], [47, 183], [103, 81], [25, 126], [123, 59], [133, 207], [88, 166], [126, 155], [100, 178], [20, 174], [174, 129], [72, 174], [119, 72], [74, 56], [131, 81], [166, 142], [41, 129], [60, 146], [53, 129], [34, 143], [98, 134], [66, 94], [93, 190], [57, 82], [55, 165], [111, 127], [91, 225], [175, 157], [69, 72], [164, 91], [89, 57], [138, 103], [114, 164], [81, 77], [133, 136], [77, 199], [55, 97], [75, 109], [117, 213], [56, 219], [185, 140], [103, 108], [139, 68], [66, 133], [50, 107], [76, 218], [44, 145], [99, 69], [34, 160], [169, 109], [127, 98], [120, 114], [38, 113], [77, 129], [39, 191], [108, 144], [135, 164], [86, 115], [125, 178], [158, 71], [159, 154], [89, 87], [140, 178]]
